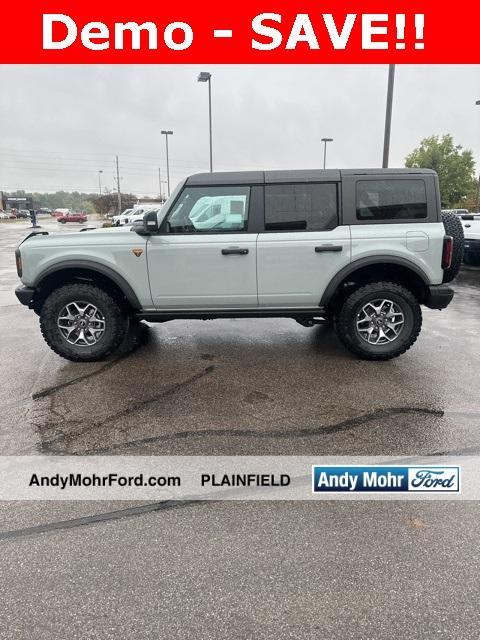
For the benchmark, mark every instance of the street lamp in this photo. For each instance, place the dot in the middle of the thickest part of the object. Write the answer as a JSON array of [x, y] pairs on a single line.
[[100, 181], [166, 134], [325, 140], [204, 76], [388, 115]]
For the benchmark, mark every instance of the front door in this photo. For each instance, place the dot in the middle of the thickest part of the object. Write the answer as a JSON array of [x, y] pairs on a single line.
[[206, 258]]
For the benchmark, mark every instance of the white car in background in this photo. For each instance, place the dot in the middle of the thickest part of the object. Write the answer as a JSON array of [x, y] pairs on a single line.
[[471, 230], [140, 212], [121, 219]]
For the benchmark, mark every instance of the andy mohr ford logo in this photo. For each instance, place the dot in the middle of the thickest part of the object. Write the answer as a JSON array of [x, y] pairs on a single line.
[[373, 478]]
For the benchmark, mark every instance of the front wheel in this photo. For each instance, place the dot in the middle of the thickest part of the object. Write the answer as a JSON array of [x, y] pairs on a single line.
[[82, 322], [379, 321]]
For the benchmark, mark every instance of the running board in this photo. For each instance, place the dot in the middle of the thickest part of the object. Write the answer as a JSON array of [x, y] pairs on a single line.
[[161, 315]]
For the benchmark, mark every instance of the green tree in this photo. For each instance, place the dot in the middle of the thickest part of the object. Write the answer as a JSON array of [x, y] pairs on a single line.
[[455, 167], [108, 203]]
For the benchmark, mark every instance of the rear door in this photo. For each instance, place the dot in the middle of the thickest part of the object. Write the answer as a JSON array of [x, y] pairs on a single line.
[[206, 256], [302, 245]]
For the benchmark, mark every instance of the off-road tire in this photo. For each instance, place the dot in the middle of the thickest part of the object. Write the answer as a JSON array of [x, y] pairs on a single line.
[[346, 327], [453, 227], [116, 322]]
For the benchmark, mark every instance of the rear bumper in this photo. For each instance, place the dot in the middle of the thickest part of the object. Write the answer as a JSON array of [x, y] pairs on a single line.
[[438, 296], [25, 295]]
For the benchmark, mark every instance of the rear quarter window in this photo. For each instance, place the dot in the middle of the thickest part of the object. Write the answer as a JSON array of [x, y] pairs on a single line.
[[388, 200]]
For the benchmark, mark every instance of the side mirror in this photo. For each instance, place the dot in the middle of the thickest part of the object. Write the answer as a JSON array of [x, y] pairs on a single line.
[[150, 224]]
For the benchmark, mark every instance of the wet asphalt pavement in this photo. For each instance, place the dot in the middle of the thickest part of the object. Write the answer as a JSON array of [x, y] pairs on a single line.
[[240, 570]]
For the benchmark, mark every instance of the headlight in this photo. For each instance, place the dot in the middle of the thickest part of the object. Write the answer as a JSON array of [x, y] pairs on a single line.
[[18, 260]]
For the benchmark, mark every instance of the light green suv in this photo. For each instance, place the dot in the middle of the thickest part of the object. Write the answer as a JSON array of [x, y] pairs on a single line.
[[360, 248]]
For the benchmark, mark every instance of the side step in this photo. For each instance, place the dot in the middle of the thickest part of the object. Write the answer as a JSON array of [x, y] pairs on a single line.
[[307, 317]]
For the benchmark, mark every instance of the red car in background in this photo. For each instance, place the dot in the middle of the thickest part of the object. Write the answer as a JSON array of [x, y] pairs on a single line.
[[72, 217]]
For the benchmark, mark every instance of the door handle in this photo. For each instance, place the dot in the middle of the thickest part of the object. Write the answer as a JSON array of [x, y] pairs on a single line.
[[328, 247], [237, 252]]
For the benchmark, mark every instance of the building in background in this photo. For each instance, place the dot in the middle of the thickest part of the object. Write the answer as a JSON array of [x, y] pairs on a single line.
[[23, 202]]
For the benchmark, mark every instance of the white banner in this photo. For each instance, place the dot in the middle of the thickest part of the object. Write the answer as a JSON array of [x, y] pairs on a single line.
[[161, 478]]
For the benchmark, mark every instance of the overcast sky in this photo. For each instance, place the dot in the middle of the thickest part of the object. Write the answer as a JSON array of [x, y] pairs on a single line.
[[60, 125]]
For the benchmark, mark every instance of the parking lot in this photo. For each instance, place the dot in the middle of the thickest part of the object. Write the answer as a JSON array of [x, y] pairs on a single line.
[[239, 570]]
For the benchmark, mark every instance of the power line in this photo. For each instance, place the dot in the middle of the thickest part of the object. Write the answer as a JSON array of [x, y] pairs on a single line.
[[111, 157], [75, 158]]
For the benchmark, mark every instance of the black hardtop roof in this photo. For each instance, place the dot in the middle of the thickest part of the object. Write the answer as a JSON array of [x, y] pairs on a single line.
[[294, 175]]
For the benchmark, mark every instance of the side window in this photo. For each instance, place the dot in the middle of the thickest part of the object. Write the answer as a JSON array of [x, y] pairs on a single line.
[[301, 207], [391, 200], [210, 210]]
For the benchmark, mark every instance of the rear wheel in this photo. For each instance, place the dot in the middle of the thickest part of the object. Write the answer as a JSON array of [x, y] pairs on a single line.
[[82, 322], [379, 321]]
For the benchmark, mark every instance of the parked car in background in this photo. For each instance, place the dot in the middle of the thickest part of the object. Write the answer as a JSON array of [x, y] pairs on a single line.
[[3, 215], [138, 214], [471, 229], [23, 213], [72, 217], [60, 212], [119, 220]]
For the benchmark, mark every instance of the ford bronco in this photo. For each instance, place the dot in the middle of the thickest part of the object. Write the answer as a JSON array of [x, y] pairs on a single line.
[[363, 249]]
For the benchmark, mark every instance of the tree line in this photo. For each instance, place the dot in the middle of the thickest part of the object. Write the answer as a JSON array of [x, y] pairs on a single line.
[[76, 200]]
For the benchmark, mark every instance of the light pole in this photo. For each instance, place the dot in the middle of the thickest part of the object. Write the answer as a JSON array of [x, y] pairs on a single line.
[[100, 181], [204, 76], [388, 115], [166, 134], [325, 140], [478, 186]]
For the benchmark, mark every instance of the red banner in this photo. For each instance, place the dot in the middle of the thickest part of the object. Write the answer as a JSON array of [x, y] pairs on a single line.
[[255, 31]]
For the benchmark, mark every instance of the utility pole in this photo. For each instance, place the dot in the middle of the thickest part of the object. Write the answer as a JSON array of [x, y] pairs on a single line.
[[388, 115], [159, 183], [119, 193], [205, 76], [100, 181]]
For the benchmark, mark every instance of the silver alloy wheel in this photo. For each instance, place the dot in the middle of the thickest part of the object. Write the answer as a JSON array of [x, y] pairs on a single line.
[[81, 323], [380, 321]]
